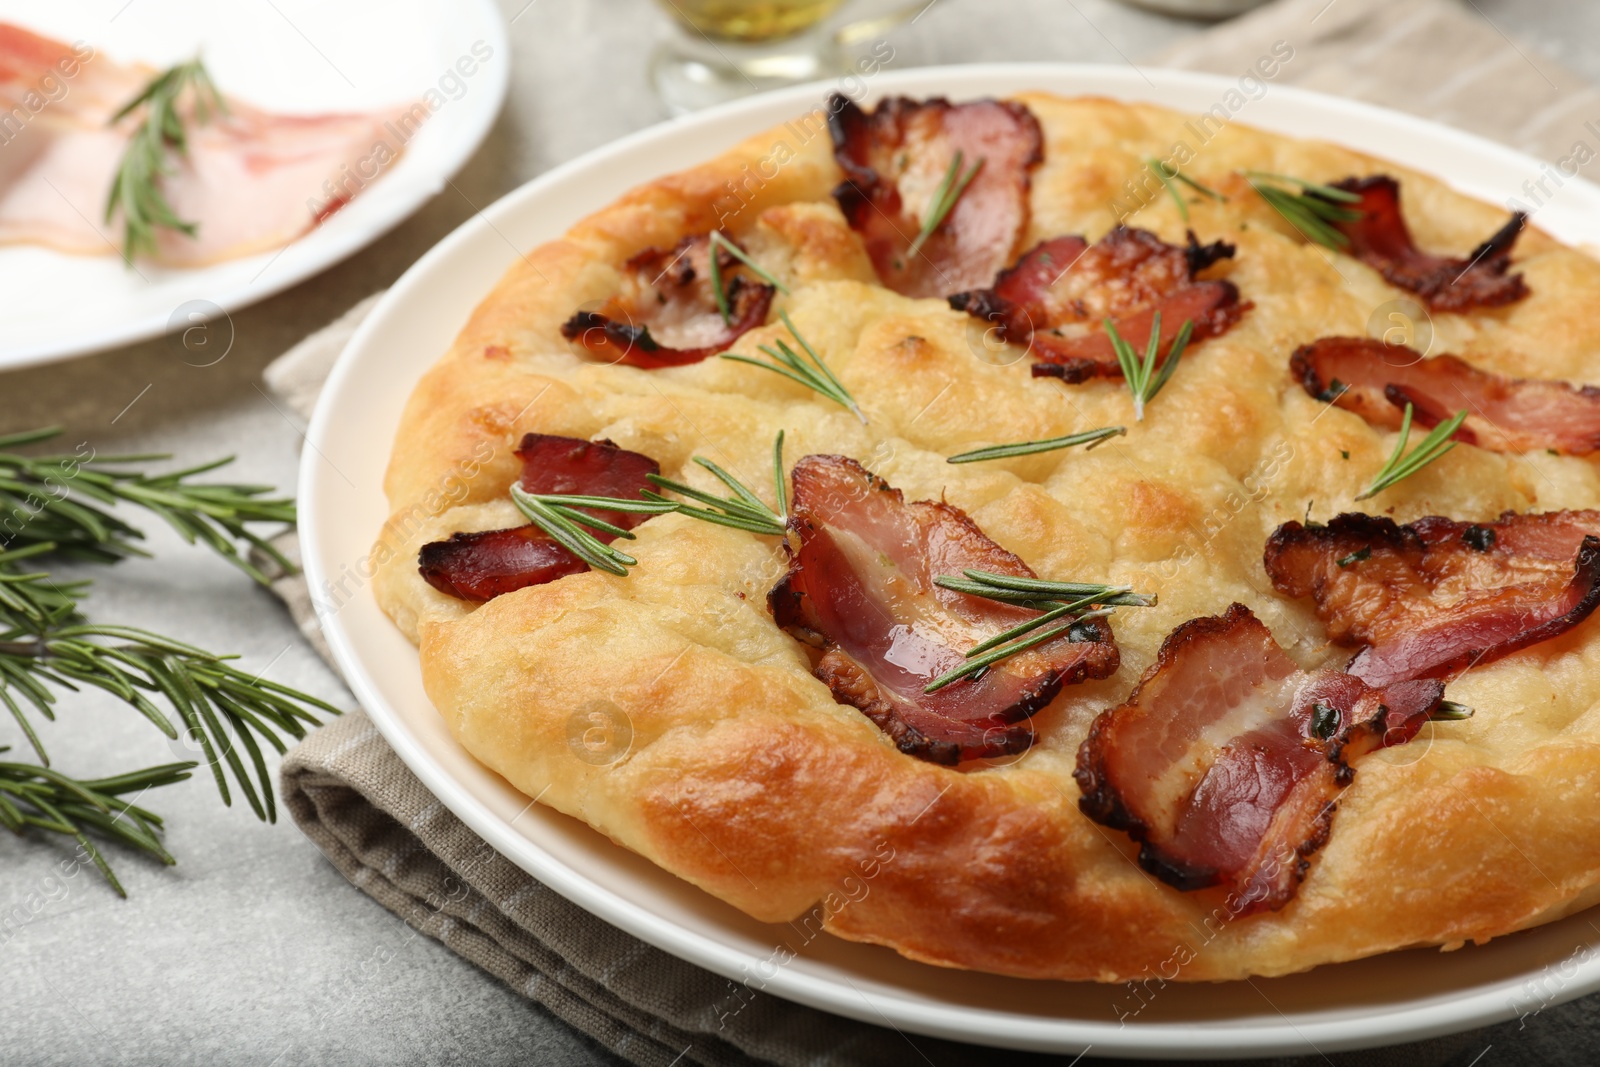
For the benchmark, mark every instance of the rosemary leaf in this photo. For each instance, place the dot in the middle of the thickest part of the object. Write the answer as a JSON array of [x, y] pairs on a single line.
[[61, 500], [1159, 169], [1144, 379], [37, 797], [1093, 438], [743, 510], [1450, 711], [721, 243], [1312, 211], [814, 375], [1402, 465], [987, 659], [562, 524], [945, 196], [159, 137]]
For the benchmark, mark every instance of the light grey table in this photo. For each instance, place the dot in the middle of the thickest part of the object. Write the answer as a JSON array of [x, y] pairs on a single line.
[[253, 950]]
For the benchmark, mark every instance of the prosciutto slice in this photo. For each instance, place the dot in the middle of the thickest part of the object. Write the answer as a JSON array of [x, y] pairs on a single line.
[[895, 159], [860, 586], [253, 181], [666, 314], [1381, 240], [1435, 597], [1056, 297], [483, 565], [1226, 761], [1376, 381]]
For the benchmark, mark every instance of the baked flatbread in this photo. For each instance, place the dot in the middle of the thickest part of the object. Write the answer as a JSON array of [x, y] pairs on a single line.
[[667, 710]]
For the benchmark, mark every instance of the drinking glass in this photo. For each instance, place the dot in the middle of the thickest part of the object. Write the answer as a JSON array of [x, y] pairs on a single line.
[[720, 50]]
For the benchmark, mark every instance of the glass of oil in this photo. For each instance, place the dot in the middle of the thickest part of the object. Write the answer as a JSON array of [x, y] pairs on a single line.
[[720, 50]]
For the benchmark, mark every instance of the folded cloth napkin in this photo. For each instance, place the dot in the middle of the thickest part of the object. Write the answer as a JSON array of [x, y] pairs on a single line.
[[376, 822]]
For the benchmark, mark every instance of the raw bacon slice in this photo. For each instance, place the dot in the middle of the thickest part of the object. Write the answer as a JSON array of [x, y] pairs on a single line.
[[894, 160], [252, 181], [1381, 240], [1227, 760], [1376, 381], [485, 564], [860, 586], [1437, 596], [666, 314], [1056, 297]]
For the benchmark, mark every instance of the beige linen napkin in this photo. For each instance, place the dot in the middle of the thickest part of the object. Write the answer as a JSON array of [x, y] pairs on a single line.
[[376, 822]]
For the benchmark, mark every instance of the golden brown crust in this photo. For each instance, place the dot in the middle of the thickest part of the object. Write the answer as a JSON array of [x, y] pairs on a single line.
[[666, 710]]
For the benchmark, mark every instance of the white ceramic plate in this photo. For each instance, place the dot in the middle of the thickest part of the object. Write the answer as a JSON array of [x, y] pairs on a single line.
[[293, 56], [1397, 997]]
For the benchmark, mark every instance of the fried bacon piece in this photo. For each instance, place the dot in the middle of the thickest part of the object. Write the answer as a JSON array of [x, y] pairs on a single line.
[[1381, 240], [1432, 598], [895, 159], [1376, 381], [666, 313], [860, 586], [1227, 760], [1057, 295], [482, 565]]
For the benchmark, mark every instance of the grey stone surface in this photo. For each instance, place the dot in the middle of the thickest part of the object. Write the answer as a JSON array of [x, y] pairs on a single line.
[[253, 950]]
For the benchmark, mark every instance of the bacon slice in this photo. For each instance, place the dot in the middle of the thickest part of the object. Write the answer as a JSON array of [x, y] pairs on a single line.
[[1381, 240], [1376, 381], [485, 564], [666, 314], [860, 586], [1227, 760], [1056, 297], [894, 159], [253, 181], [1437, 596]]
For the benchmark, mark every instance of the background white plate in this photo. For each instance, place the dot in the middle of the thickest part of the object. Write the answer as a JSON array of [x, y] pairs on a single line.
[[293, 56], [1400, 996]]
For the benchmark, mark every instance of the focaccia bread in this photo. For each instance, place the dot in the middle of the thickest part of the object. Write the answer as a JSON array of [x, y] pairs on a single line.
[[670, 712]]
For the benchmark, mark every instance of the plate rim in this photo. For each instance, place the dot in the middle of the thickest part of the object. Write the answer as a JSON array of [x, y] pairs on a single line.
[[1187, 1038], [338, 249]]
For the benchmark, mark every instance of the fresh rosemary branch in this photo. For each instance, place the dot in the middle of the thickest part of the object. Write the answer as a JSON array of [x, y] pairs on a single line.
[[1093, 438], [945, 196], [157, 139], [721, 243], [558, 516], [1159, 169], [814, 375], [54, 499], [1143, 377], [45, 645], [1074, 601], [37, 797], [1401, 465], [1312, 210], [742, 511]]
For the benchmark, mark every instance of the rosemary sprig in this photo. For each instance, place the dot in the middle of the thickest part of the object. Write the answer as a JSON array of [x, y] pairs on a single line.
[[743, 510], [1450, 711], [558, 516], [55, 499], [1074, 601], [945, 196], [1312, 210], [987, 659], [1159, 169], [1143, 377], [1402, 465], [1093, 438], [36, 797], [721, 243], [814, 375], [46, 645], [158, 138]]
